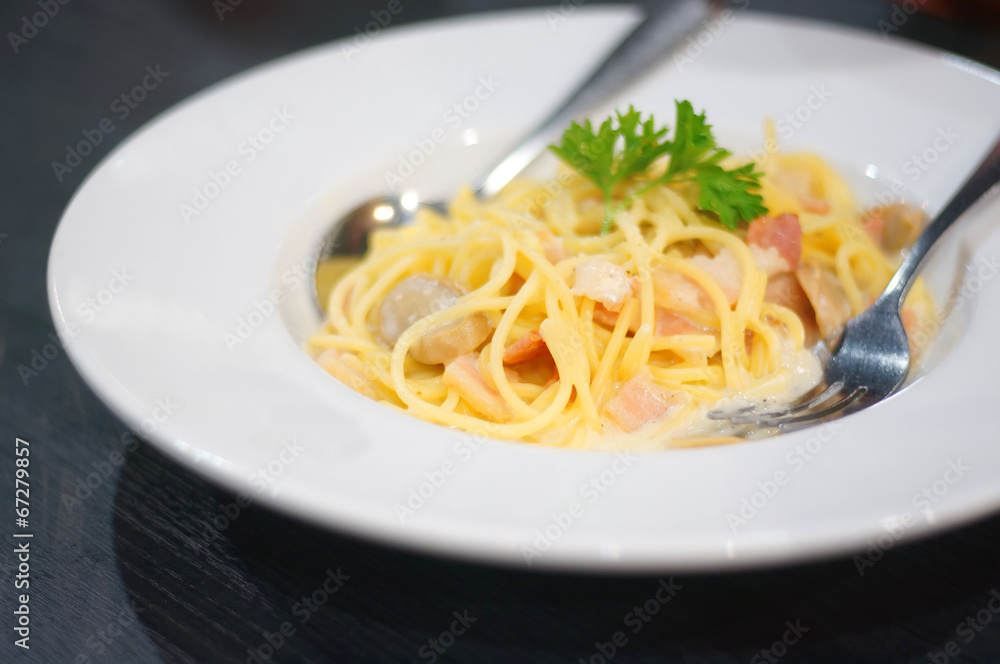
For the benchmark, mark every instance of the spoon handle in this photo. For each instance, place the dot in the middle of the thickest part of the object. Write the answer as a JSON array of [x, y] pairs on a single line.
[[665, 24], [978, 184]]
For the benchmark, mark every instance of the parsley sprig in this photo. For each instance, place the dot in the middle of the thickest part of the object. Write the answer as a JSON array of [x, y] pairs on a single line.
[[624, 146]]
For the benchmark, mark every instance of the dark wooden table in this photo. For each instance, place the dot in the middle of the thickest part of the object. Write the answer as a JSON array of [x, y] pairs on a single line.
[[134, 559]]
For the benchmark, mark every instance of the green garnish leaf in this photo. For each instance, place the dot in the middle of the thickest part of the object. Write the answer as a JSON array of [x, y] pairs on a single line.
[[614, 153], [693, 142], [727, 193], [625, 147]]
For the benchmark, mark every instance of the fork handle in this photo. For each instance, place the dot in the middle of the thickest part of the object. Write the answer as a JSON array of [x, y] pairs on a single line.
[[978, 184], [665, 24]]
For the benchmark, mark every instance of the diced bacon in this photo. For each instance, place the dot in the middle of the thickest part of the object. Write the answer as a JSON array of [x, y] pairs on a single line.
[[514, 284], [783, 233], [528, 347], [829, 302], [639, 400], [540, 368], [724, 269], [803, 187], [675, 291], [481, 365], [605, 317], [553, 247], [602, 281], [670, 322], [785, 289], [462, 375]]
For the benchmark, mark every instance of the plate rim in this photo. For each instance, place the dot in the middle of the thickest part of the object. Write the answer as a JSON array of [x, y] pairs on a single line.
[[565, 558]]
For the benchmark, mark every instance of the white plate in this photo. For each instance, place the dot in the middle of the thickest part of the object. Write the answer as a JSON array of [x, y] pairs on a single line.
[[144, 298]]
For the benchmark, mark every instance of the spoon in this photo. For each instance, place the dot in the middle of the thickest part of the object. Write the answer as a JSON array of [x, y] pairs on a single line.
[[666, 22]]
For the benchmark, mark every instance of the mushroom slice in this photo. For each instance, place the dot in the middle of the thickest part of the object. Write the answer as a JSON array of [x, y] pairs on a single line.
[[419, 296], [896, 226]]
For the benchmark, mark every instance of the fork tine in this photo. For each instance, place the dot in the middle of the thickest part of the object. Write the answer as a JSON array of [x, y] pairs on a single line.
[[811, 399], [813, 415], [839, 406], [728, 414]]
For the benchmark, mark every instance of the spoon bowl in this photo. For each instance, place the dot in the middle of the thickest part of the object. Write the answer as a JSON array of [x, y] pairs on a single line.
[[347, 241], [349, 237]]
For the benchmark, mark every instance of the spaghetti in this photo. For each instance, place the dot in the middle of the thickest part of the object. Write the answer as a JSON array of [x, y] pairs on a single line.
[[516, 318]]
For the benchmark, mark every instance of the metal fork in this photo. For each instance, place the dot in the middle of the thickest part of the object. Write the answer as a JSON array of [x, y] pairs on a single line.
[[871, 358]]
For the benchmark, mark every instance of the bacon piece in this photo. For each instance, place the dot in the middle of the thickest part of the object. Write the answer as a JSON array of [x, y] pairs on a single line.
[[675, 291], [724, 269], [528, 347], [514, 284], [670, 322], [785, 289], [605, 317], [602, 281], [462, 375], [784, 233], [553, 247], [829, 302], [639, 400], [803, 187]]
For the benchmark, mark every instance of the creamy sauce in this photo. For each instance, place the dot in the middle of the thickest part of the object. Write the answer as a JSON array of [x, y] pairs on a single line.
[[803, 373]]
